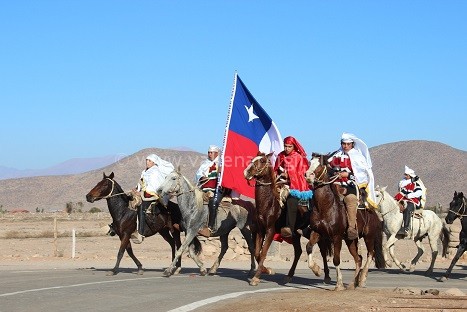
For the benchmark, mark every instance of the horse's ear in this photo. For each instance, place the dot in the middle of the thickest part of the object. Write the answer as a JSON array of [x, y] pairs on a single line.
[[455, 193], [178, 168], [460, 194], [269, 155], [111, 176], [103, 173], [383, 189]]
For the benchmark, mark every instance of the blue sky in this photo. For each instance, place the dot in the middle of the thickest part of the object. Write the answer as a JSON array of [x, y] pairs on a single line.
[[93, 78]]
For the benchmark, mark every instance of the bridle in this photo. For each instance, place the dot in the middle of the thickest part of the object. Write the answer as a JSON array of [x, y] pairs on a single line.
[[258, 172], [178, 187], [111, 191], [379, 203], [319, 181], [458, 213]]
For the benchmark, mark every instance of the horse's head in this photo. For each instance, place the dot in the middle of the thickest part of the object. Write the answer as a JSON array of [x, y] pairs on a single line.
[[317, 172], [259, 166], [457, 208], [103, 189], [171, 184]]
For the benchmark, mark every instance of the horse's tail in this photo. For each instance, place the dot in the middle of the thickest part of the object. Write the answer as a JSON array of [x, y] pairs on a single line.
[[380, 263], [197, 245], [444, 236]]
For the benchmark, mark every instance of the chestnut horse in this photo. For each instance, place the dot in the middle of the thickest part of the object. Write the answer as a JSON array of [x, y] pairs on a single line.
[[124, 221], [457, 209], [329, 222], [269, 216]]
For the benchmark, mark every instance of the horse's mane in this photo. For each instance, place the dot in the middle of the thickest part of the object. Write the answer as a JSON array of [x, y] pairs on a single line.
[[197, 192]]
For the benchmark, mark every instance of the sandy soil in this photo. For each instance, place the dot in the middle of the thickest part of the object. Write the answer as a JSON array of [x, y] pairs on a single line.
[[27, 240]]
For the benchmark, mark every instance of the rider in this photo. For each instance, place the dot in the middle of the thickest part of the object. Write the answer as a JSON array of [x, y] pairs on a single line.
[[352, 163], [152, 177], [291, 165], [206, 179], [409, 197]]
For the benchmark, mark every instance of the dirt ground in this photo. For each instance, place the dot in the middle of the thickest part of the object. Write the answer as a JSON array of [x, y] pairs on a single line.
[[27, 240]]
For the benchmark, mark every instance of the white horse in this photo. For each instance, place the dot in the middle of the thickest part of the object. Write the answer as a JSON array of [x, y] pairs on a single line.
[[195, 216], [429, 224]]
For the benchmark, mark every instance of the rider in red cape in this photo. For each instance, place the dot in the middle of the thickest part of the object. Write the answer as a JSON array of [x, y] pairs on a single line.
[[291, 165]]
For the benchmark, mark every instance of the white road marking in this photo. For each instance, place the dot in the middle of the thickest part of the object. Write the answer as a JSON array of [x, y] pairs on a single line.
[[197, 304], [77, 285]]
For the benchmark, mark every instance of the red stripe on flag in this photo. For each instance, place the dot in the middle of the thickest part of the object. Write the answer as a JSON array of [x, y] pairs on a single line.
[[239, 151]]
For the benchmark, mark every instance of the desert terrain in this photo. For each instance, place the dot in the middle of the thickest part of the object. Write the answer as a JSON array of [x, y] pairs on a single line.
[[27, 242]]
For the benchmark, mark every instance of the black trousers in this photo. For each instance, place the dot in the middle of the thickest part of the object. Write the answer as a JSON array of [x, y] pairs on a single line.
[[292, 209], [142, 214], [212, 205], [408, 214]]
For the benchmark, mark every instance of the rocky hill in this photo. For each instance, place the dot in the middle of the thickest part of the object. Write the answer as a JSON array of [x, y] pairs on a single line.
[[442, 168]]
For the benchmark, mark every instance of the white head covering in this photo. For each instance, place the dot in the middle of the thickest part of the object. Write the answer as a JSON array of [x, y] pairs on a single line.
[[346, 138], [410, 172], [358, 145], [214, 148], [164, 166]]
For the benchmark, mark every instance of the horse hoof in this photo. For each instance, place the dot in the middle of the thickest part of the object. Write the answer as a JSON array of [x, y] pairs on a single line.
[[111, 273], [203, 272], [212, 272], [177, 270], [254, 281], [316, 270], [140, 272], [270, 271], [167, 273], [443, 279], [327, 280], [339, 288], [351, 286], [287, 279]]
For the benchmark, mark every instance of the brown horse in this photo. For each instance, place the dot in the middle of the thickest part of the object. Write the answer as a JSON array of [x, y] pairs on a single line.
[[329, 222], [124, 221], [269, 216]]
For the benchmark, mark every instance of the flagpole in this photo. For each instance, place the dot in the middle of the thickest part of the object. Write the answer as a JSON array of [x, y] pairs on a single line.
[[226, 133]]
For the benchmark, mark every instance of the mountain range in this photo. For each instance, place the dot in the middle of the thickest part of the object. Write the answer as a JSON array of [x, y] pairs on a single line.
[[442, 168]]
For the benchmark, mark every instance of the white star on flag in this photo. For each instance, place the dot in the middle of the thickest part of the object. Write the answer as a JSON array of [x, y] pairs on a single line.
[[251, 114]]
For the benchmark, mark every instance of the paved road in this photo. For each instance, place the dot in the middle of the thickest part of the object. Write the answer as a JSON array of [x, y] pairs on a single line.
[[91, 290]]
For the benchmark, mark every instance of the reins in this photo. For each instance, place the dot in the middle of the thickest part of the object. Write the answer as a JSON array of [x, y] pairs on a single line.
[[379, 203], [179, 186]]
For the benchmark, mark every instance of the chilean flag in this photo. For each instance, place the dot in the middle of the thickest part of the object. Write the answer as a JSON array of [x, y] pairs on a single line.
[[249, 129]]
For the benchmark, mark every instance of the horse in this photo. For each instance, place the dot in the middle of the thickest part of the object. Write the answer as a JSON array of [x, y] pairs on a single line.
[[329, 223], [428, 225], [269, 216], [457, 209], [195, 214], [124, 221]]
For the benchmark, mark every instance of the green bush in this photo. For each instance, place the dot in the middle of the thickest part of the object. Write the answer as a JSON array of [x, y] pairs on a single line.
[[94, 210]]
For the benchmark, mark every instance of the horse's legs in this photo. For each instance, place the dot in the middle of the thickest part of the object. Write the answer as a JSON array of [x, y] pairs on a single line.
[[165, 233], [434, 252], [188, 239], [247, 234], [390, 246], [125, 245], [420, 250], [337, 261], [353, 249], [314, 238], [322, 249], [369, 243], [224, 239], [262, 256], [460, 251], [194, 256], [297, 248]]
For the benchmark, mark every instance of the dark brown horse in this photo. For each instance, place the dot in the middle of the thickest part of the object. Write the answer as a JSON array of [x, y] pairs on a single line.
[[457, 209], [329, 223], [269, 216], [124, 220]]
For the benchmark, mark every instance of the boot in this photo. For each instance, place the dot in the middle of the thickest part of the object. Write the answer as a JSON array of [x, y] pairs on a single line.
[[169, 224], [137, 238], [351, 205], [286, 232], [212, 215], [363, 196]]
